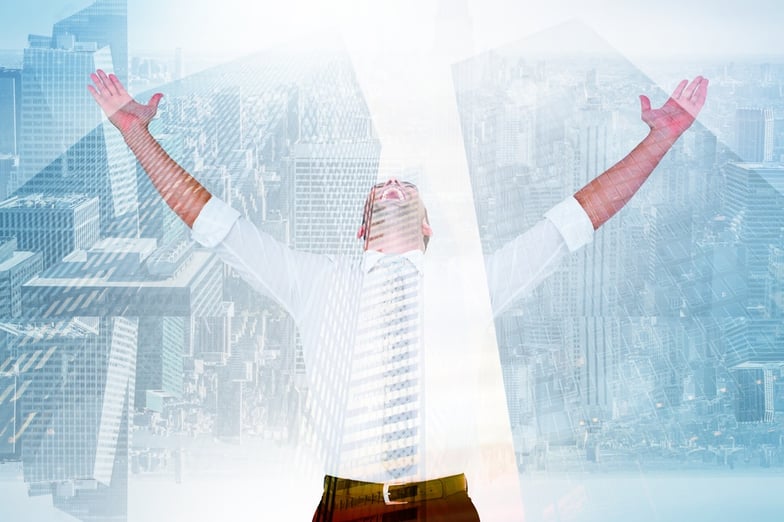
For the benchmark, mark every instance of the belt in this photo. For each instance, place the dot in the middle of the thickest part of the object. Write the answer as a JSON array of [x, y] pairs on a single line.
[[355, 492]]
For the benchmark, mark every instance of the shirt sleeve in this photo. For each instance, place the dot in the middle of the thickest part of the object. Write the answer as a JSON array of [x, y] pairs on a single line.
[[271, 268], [518, 267]]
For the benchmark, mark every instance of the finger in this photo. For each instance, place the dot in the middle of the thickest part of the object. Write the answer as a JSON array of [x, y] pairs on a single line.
[[117, 84], [96, 96], [679, 89], [701, 93], [106, 83], [691, 90], [700, 87], [155, 100], [98, 84], [645, 103]]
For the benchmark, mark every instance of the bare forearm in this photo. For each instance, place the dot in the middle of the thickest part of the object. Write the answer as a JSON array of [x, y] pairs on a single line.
[[609, 192], [181, 191]]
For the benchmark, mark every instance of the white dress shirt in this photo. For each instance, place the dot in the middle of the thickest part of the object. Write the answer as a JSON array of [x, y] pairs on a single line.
[[323, 296]]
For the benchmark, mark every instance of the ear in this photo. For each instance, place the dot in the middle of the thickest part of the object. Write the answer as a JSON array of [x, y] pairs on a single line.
[[361, 232], [426, 230]]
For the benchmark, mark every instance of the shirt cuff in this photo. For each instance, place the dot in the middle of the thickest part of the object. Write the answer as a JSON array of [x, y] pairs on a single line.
[[213, 223], [572, 222]]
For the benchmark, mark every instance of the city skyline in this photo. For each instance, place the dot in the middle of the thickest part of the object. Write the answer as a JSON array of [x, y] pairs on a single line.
[[658, 347]]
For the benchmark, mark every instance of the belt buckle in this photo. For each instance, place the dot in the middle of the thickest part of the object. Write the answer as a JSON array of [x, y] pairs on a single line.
[[386, 493]]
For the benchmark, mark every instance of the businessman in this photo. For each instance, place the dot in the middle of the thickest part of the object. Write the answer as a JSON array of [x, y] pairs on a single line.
[[396, 441]]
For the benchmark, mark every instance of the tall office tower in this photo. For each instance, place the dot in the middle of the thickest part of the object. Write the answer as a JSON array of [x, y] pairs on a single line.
[[10, 118], [778, 139], [774, 284], [754, 134], [332, 166], [52, 225], [10, 110], [754, 395], [705, 149], [167, 289], [77, 382], [227, 121], [754, 199], [64, 146], [104, 22], [16, 268], [323, 174], [9, 170], [593, 334], [753, 203], [159, 359], [214, 333]]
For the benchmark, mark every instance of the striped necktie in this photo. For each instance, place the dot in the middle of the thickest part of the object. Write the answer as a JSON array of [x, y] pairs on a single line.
[[383, 424]]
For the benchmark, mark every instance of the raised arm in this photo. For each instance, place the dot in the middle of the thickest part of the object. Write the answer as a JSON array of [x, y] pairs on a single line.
[[609, 192], [181, 191]]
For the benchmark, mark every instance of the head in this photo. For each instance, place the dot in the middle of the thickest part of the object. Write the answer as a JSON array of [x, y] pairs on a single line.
[[394, 219]]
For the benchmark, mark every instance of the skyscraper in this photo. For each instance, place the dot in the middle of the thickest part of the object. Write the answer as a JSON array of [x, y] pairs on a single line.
[[754, 134], [166, 290], [754, 203], [10, 110], [329, 184], [64, 146], [16, 268], [52, 225], [104, 22], [75, 384]]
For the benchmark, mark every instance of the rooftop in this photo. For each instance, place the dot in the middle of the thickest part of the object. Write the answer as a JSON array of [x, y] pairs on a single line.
[[66, 201]]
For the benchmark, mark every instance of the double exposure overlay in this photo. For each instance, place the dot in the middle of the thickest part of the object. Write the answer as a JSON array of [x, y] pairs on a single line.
[[141, 378]]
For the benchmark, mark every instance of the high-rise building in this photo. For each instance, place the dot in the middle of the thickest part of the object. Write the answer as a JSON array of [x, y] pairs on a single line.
[[75, 386], [104, 22], [753, 202], [16, 268], [159, 359], [52, 225], [64, 147], [10, 110], [167, 290], [227, 125], [9, 170], [593, 333], [754, 134], [329, 184], [754, 400]]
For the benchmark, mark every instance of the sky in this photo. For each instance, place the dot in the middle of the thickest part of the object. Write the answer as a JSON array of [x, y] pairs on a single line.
[[235, 27]]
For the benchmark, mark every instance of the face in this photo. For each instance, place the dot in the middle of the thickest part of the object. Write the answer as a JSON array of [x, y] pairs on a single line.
[[395, 219]]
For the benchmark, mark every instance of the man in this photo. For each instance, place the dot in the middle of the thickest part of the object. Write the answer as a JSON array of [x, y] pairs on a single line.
[[389, 453]]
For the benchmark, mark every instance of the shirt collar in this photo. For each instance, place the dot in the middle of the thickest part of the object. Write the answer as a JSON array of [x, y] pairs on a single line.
[[372, 257]]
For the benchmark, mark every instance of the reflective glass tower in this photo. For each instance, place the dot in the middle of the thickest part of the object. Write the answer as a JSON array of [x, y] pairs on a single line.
[[64, 147]]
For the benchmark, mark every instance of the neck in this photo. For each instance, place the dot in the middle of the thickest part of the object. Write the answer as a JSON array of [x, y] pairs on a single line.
[[386, 247]]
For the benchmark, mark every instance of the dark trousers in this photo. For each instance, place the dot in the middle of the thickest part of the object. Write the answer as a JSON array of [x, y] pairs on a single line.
[[430, 501]]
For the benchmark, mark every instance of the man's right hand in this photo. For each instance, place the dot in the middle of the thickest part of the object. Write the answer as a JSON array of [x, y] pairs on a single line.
[[128, 115]]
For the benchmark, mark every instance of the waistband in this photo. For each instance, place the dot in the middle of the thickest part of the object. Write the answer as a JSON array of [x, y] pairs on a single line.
[[394, 492]]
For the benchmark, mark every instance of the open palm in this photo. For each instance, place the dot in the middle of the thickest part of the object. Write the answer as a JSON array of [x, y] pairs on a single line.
[[123, 111], [679, 111]]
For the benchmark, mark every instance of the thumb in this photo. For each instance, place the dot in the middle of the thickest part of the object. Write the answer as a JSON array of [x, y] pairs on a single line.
[[155, 100], [645, 103]]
